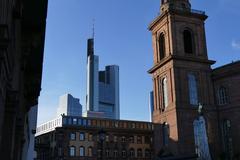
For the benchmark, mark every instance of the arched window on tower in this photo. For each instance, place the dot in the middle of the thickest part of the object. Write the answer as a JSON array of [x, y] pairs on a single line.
[[188, 41], [162, 49], [165, 93], [222, 96], [165, 132], [192, 89]]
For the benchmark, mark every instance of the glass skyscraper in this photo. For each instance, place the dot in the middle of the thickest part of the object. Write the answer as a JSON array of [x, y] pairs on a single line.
[[69, 106], [102, 98]]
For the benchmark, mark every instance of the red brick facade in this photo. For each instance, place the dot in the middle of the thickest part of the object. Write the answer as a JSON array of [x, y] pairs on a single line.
[[180, 57]]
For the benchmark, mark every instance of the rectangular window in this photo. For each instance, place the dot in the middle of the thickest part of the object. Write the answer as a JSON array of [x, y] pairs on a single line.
[[107, 153], [73, 136], [79, 122], [74, 121], [131, 139], [64, 121], [90, 137], [139, 139], [115, 138], [82, 136], [82, 151], [90, 151], [89, 123], [70, 121], [133, 125], [72, 151], [107, 138], [84, 122], [123, 139], [192, 88]]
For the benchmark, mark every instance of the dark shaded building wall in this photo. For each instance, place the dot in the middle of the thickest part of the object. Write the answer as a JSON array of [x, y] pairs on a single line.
[[22, 34]]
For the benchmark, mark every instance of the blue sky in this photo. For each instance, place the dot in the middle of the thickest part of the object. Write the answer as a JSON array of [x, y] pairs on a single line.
[[122, 38]]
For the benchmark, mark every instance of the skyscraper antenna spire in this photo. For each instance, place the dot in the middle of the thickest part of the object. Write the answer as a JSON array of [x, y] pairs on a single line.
[[93, 35]]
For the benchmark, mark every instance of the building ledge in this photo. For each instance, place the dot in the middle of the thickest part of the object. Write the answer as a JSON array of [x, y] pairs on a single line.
[[181, 58], [178, 11]]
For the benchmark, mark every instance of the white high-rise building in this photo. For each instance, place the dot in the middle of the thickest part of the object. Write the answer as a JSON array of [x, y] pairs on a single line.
[[70, 106], [102, 98]]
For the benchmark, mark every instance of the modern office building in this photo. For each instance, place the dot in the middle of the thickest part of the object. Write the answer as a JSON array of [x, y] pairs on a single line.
[[22, 37], [197, 106], [151, 105], [102, 98], [68, 105], [72, 138]]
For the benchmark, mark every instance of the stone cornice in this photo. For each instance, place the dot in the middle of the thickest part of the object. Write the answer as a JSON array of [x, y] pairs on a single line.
[[191, 13], [181, 58]]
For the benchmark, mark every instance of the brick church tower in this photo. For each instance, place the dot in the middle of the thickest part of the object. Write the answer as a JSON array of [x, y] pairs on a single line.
[[181, 78]]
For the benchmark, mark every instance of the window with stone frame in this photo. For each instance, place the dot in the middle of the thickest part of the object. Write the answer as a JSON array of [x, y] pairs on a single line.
[[82, 136], [99, 153], [222, 96], [107, 153], [82, 151], [133, 125], [115, 153], [90, 152], [69, 121], [131, 139], [139, 139], [107, 138], [123, 139], [162, 46], [188, 41], [132, 153], [147, 153], [90, 137], [139, 153], [115, 138], [73, 136], [72, 151], [124, 153], [193, 89], [74, 121], [164, 89]]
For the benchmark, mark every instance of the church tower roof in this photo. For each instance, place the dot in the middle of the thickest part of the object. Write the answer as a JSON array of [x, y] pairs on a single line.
[[175, 4]]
